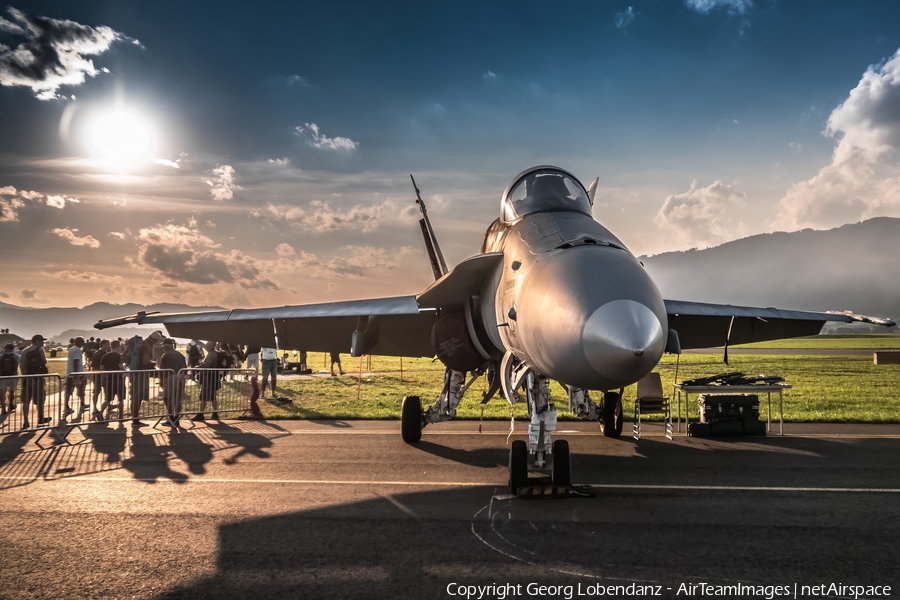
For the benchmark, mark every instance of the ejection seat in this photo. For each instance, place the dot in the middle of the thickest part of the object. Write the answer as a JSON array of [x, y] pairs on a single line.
[[650, 400]]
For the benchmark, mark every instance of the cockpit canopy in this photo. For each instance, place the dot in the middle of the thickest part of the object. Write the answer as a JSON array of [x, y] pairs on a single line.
[[543, 189]]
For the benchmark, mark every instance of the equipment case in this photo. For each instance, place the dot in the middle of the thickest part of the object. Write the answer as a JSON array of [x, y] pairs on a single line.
[[721, 407]]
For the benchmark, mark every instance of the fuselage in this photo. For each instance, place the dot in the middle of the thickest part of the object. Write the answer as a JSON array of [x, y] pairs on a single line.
[[571, 300]]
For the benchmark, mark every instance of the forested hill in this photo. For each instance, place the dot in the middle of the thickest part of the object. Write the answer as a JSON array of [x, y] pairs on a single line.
[[855, 267]]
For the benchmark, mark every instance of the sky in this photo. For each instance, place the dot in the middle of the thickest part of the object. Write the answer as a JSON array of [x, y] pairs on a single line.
[[249, 155]]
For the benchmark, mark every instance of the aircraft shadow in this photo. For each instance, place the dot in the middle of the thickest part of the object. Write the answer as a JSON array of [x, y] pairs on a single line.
[[413, 545], [486, 458]]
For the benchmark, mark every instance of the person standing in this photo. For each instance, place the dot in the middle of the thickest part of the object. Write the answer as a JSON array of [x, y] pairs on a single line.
[[33, 362], [269, 367], [75, 381], [195, 353], [209, 381], [336, 360], [171, 377], [303, 367], [97, 365], [114, 382], [9, 368], [140, 382], [253, 358]]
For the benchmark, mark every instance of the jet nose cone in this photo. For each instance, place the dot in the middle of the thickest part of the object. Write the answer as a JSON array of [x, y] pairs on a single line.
[[623, 340]]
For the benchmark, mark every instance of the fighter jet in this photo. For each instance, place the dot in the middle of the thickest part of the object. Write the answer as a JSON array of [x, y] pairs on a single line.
[[552, 296]]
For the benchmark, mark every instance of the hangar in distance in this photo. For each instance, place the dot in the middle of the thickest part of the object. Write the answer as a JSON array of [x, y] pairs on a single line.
[[552, 295]]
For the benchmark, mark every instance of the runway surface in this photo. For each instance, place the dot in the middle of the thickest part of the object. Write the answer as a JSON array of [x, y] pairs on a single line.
[[335, 509]]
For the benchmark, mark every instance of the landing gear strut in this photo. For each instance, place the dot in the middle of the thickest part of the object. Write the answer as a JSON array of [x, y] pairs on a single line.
[[539, 455], [413, 419]]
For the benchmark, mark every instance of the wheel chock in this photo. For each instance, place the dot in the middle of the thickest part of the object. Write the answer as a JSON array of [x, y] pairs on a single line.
[[543, 491]]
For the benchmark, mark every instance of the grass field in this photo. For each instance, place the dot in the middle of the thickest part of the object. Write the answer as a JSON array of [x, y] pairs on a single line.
[[884, 341], [825, 388]]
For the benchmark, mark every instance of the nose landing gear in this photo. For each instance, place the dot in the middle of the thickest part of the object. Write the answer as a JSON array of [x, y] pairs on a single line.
[[611, 409]]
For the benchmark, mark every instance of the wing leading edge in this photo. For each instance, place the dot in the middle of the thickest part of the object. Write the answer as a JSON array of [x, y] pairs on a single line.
[[703, 325], [389, 326]]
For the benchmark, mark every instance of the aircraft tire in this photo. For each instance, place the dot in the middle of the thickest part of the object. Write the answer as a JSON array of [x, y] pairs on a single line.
[[411, 419], [562, 465], [612, 422], [518, 466]]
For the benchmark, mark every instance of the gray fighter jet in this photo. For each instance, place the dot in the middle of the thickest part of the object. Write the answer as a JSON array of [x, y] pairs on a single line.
[[553, 295]]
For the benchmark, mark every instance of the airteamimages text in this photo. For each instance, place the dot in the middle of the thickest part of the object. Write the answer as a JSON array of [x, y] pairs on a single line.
[[502, 591]]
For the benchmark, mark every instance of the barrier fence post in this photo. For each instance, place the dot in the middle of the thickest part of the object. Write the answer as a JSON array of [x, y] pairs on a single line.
[[359, 379]]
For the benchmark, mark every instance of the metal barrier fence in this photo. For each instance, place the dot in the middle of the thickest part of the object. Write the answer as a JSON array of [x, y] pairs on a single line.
[[30, 402], [214, 391], [105, 396]]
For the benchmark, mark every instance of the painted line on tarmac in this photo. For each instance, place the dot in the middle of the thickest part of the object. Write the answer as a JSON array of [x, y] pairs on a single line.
[[742, 488], [573, 432], [609, 486]]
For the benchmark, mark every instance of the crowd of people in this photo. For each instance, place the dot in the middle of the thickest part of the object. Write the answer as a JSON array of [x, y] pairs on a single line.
[[99, 361]]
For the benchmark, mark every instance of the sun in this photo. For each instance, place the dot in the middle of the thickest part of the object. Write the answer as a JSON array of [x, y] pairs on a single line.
[[121, 135]]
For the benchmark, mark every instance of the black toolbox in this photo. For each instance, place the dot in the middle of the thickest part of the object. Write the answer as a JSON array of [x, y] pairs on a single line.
[[721, 407]]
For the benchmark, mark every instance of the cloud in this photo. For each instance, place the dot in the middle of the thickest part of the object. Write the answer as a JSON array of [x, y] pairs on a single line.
[[625, 17], [53, 53], [297, 80], [27, 294], [222, 182], [60, 201], [167, 163], [279, 161], [116, 234], [285, 249], [10, 27], [321, 216], [796, 147], [83, 276], [316, 139], [9, 209], [697, 216], [489, 75], [184, 255], [732, 6], [863, 179], [69, 236], [4, 295]]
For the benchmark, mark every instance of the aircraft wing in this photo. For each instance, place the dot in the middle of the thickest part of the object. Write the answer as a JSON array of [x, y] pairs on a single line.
[[389, 326], [702, 325]]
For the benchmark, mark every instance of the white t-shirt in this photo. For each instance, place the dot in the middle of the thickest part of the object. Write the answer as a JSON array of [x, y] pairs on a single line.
[[75, 353], [269, 354]]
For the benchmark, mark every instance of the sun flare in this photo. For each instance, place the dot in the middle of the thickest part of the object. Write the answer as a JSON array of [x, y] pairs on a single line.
[[121, 135]]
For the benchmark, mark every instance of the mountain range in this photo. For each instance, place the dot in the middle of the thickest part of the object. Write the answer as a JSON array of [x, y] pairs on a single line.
[[64, 323], [854, 267]]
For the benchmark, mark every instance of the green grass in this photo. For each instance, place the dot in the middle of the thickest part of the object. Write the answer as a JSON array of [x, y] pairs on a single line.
[[825, 388], [882, 341]]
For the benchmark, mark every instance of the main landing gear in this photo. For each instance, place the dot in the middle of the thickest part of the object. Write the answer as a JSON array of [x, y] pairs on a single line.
[[541, 454]]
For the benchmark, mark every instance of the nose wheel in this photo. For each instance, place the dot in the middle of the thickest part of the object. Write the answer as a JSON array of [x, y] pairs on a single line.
[[611, 421]]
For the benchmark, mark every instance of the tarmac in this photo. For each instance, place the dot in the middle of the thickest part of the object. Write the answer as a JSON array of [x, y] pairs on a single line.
[[345, 509]]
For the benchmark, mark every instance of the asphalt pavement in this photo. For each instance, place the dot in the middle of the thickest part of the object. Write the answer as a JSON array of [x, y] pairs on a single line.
[[345, 509]]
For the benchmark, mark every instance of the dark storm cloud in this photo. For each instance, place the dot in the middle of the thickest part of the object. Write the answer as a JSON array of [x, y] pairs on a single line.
[[53, 53], [183, 254]]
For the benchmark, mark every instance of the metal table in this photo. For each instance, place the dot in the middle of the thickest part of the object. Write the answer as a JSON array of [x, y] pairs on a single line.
[[733, 389]]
